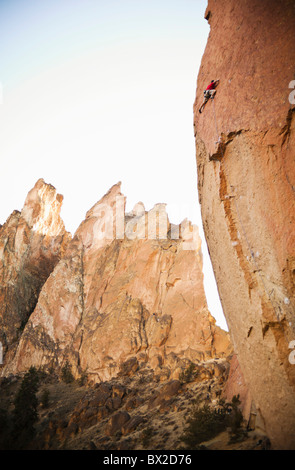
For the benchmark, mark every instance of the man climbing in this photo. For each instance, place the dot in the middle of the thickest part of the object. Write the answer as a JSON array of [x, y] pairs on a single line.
[[209, 93]]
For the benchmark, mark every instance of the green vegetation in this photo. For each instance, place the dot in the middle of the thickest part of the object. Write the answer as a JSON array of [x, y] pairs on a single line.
[[25, 412], [3, 419], [82, 379], [66, 373], [235, 420], [189, 374], [207, 422], [146, 436], [44, 399]]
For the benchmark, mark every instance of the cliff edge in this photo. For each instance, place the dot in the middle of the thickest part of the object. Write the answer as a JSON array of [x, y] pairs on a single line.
[[246, 179]]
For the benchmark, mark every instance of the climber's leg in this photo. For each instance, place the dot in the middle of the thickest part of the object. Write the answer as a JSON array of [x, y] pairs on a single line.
[[203, 104], [212, 94]]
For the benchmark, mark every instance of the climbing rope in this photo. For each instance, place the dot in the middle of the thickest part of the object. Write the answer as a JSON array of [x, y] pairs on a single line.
[[240, 220]]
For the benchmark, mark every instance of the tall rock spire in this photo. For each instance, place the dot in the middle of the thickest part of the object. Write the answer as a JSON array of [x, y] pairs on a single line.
[[124, 290], [31, 244]]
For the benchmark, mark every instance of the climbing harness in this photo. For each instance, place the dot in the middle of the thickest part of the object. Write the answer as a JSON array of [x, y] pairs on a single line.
[[258, 270]]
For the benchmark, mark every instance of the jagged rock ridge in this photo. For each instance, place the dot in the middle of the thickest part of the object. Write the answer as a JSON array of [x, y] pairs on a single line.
[[31, 244], [128, 291]]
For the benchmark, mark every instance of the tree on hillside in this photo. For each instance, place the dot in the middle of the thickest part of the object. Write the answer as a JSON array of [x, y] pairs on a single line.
[[25, 412]]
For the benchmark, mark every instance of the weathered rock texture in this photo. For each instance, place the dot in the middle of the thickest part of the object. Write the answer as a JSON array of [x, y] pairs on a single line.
[[128, 412], [247, 194], [113, 303], [31, 244]]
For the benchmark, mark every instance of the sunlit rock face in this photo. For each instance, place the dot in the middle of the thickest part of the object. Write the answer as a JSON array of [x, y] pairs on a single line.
[[128, 292], [31, 244], [247, 193]]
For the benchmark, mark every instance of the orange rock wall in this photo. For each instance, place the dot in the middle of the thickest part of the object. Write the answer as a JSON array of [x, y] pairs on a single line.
[[247, 193], [31, 244], [132, 298]]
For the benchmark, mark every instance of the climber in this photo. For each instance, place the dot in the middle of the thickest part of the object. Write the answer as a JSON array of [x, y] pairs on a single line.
[[209, 93]]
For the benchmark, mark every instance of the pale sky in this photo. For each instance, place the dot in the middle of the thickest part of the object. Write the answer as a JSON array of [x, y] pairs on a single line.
[[94, 92]]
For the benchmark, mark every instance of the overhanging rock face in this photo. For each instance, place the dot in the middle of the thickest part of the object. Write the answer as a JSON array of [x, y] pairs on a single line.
[[247, 194]]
